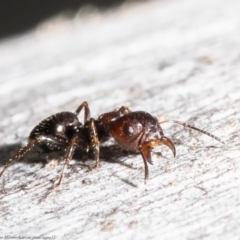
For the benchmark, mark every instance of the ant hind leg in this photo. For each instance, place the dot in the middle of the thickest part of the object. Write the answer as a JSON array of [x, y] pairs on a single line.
[[19, 154], [70, 151]]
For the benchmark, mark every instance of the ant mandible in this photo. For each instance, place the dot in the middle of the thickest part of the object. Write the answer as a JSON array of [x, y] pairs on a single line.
[[135, 131]]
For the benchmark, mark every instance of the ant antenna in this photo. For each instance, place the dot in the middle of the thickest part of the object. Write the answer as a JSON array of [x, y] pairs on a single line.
[[197, 129]]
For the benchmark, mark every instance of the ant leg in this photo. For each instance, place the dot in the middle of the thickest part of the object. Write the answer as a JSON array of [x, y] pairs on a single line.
[[18, 155], [70, 151], [94, 142], [145, 155], [50, 140], [86, 111], [145, 150]]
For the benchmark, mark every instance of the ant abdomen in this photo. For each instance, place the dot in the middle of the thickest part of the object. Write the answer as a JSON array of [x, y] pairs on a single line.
[[56, 130], [60, 125]]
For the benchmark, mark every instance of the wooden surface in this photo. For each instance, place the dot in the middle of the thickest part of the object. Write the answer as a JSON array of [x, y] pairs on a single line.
[[173, 59]]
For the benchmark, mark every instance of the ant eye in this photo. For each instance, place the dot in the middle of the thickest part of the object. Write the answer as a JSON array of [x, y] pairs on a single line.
[[128, 130]]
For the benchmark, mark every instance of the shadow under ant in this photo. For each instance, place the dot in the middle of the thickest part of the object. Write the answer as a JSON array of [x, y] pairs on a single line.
[[6, 152], [109, 154]]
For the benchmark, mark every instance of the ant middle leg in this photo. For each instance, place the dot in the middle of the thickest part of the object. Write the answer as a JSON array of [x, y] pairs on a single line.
[[95, 144]]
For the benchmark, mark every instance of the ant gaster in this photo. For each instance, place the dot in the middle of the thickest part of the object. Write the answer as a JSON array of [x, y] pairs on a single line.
[[135, 131]]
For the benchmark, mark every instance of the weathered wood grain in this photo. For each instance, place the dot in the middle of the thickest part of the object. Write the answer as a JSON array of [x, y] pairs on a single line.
[[173, 59]]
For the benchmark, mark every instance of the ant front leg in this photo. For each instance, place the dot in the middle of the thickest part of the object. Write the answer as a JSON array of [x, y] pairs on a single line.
[[86, 111], [146, 147]]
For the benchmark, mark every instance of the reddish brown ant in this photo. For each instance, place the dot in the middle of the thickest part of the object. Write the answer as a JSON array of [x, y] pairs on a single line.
[[135, 131]]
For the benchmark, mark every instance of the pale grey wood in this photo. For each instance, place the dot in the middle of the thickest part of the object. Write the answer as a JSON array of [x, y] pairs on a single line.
[[173, 59]]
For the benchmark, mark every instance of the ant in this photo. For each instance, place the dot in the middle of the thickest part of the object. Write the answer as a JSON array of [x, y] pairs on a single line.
[[135, 131]]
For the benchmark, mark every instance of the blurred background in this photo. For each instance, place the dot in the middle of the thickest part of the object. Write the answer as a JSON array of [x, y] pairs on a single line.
[[19, 16]]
